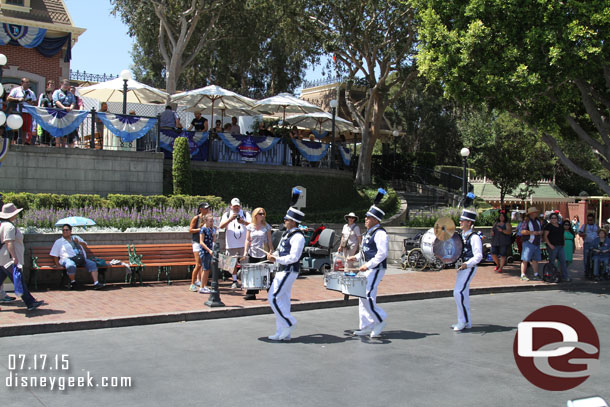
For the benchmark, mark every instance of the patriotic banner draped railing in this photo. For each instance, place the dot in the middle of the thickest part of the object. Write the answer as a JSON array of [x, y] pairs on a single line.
[[57, 122], [127, 127], [346, 154], [311, 150], [5, 142], [195, 139], [262, 142], [34, 37], [319, 135]]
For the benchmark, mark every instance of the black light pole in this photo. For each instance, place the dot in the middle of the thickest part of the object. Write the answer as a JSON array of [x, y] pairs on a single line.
[[214, 299], [465, 152], [395, 133], [126, 76], [333, 105]]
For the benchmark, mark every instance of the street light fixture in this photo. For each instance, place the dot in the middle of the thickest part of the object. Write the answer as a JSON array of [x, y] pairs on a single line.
[[464, 152], [333, 104], [126, 76], [395, 133]]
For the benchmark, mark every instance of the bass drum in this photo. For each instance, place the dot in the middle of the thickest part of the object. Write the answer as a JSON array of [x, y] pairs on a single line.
[[427, 244], [450, 250]]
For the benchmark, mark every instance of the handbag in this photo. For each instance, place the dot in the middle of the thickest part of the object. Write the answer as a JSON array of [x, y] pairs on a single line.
[[79, 258], [17, 281], [99, 262]]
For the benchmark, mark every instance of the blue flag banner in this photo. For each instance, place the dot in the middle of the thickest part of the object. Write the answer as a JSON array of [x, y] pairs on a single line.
[[263, 143], [346, 154], [311, 150], [319, 135], [195, 139], [4, 149], [57, 122], [28, 37], [127, 127]]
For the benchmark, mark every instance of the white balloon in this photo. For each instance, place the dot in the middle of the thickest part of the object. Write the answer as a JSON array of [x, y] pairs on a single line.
[[14, 121], [3, 59], [2, 118]]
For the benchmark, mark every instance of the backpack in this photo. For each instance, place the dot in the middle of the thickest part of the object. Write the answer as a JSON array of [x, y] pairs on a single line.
[[550, 274]]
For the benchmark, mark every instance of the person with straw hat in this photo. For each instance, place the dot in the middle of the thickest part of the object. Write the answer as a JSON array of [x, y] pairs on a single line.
[[531, 231], [12, 252], [351, 238], [287, 255], [374, 253]]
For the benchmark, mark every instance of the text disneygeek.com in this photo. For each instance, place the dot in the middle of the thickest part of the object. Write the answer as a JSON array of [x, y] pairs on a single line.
[[25, 372]]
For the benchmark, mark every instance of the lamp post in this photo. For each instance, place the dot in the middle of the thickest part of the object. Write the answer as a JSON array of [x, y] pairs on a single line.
[[464, 152], [333, 105], [395, 133], [3, 62], [126, 76]]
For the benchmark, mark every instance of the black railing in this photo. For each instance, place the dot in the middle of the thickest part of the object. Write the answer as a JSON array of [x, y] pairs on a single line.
[[322, 82], [90, 77], [423, 176]]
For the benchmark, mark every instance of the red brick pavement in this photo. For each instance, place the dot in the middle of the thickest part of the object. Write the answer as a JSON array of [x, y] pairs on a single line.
[[119, 300]]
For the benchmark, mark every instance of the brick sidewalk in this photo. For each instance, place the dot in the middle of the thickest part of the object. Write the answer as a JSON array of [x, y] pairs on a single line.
[[141, 304]]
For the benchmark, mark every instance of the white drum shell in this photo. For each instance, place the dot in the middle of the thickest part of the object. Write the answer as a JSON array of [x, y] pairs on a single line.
[[427, 244], [256, 276], [354, 285], [332, 281]]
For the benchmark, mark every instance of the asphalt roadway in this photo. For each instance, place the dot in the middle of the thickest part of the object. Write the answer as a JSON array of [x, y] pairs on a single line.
[[418, 361]]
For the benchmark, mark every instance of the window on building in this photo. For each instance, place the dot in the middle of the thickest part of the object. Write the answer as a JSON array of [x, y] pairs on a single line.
[[17, 5]]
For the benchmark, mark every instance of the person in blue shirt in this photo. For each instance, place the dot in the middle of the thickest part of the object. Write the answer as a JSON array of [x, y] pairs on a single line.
[[64, 99], [207, 236], [600, 250]]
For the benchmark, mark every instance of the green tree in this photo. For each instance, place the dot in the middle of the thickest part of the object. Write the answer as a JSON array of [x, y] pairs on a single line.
[[181, 169], [373, 43], [504, 150], [545, 62]]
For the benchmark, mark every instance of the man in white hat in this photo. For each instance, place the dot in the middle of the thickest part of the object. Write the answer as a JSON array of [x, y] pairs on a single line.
[[287, 255], [471, 257], [234, 223], [374, 252], [531, 232]]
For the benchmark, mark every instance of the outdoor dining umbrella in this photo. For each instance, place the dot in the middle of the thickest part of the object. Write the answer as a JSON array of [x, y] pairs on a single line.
[[320, 120], [112, 91], [75, 221], [286, 103], [225, 111], [210, 96]]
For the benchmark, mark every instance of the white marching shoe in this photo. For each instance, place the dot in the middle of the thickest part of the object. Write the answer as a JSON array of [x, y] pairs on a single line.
[[364, 331], [376, 332], [285, 333], [275, 337], [461, 326]]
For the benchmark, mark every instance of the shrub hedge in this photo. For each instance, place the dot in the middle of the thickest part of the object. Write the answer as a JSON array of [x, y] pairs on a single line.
[[28, 200]]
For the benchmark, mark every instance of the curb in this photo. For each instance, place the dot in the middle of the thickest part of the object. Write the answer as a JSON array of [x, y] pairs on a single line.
[[234, 312]]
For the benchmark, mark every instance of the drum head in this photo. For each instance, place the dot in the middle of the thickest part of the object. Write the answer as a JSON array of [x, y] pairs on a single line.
[[450, 250]]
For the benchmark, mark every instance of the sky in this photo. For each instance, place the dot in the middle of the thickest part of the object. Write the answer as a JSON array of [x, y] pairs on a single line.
[[105, 47]]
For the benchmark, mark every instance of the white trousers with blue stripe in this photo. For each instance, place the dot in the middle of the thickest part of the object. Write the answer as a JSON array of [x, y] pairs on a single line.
[[279, 299], [461, 293], [370, 313]]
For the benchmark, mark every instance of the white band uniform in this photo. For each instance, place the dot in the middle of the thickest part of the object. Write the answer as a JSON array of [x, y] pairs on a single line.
[[473, 254]]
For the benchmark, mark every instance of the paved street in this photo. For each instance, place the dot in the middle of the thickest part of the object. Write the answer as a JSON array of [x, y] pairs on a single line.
[[419, 361]]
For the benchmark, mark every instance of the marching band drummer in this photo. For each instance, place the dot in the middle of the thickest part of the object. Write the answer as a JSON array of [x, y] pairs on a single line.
[[374, 251], [287, 255], [472, 256]]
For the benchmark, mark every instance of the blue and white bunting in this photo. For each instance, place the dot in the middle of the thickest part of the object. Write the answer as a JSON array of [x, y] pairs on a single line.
[[5, 142], [195, 139], [311, 150], [262, 142], [346, 154], [28, 37], [319, 135], [127, 127], [57, 122]]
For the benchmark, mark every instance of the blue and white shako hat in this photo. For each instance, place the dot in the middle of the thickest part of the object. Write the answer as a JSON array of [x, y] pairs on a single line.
[[374, 211], [468, 214], [293, 213]]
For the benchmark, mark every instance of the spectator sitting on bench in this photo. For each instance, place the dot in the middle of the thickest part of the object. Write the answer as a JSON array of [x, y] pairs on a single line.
[[67, 252]]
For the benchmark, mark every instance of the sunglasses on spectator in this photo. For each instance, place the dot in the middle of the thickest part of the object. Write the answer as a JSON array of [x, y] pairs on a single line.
[[261, 213]]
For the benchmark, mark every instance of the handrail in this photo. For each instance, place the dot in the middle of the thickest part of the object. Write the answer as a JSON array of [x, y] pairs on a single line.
[[426, 176]]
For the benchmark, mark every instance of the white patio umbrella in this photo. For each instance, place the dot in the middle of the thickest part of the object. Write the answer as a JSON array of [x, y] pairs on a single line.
[[225, 111], [210, 96], [286, 103], [112, 91], [321, 121]]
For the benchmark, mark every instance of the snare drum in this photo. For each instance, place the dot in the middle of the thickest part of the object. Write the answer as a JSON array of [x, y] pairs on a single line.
[[332, 280], [256, 276], [340, 264], [354, 285]]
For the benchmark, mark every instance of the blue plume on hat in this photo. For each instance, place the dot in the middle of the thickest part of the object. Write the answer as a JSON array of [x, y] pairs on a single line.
[[296, 192], [469, 199], [380, 194]]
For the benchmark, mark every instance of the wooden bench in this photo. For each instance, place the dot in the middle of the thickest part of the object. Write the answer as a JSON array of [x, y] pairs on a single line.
[[163, 256], [42, 260]]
